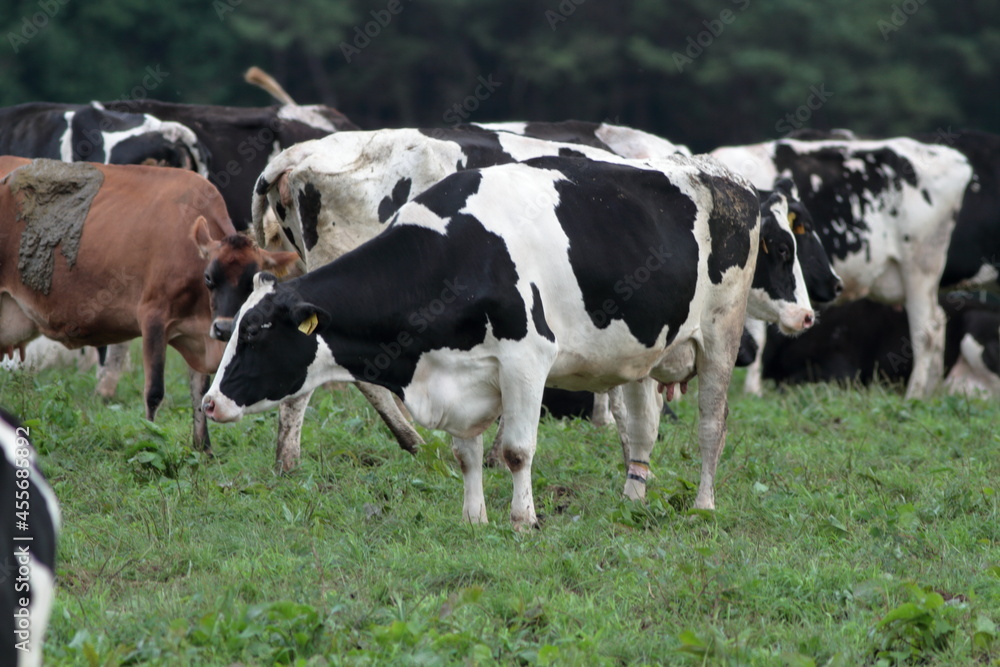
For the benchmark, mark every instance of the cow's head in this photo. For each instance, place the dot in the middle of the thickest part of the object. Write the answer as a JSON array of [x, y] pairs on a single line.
[[778, 293], [822, 282], [274, 347], [232, 264]]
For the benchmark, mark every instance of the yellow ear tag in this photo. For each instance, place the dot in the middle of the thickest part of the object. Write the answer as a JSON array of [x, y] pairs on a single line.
[[309, 324], [797, 228]]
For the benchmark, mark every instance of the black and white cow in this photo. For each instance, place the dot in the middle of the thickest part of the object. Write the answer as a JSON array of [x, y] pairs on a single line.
[[28, 526], [90, 133], [884, 211], [623, 141], [332, 194], [865, 341], [496, 282], [241, 140]]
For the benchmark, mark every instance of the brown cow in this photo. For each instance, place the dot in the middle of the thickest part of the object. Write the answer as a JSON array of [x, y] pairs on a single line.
[[124, 267]]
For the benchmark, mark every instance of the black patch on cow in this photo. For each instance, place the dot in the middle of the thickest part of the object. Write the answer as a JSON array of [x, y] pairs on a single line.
[[89, 125], [291, 239], [569, 152], [567, 131], [449, 196], [262, 186], [481, 147], [926, 196], [733, 207], [538, 314], [631, 244], [310, 203], [406, 292], [280, 210], [390, 204], [773, 272], [883, 170]]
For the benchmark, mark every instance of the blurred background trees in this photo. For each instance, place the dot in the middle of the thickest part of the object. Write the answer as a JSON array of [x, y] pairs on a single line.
[[703, 73]]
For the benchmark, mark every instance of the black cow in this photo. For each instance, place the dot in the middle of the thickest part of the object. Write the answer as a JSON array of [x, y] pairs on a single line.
[[90, 133], [29, 521], [866, 342], [240, 140]]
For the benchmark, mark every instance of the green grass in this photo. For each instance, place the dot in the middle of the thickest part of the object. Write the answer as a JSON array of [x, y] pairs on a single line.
[[853, 528]]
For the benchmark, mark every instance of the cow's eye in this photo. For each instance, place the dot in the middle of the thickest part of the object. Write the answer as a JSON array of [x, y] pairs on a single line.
[[784, 253]]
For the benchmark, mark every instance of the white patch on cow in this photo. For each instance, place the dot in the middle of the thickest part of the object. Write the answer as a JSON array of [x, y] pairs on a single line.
[[307, 114], [8, 444], [516, 127], [754, 162], [636, 144], [986, 276], [970, 375], [66, 140], [816, 182], [524, 148]]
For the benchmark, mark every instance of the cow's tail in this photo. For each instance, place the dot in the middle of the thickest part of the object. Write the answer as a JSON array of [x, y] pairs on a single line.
[[266, 182], [258, 77], [258, 208]]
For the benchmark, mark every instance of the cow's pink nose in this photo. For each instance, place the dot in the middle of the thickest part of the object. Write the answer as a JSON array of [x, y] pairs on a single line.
[[807, 321], [209, 407]]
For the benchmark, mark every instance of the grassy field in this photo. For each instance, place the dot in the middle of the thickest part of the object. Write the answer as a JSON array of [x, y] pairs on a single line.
[[853, 528]]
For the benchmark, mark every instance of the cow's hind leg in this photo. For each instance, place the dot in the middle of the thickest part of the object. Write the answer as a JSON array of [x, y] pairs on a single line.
[[637, 429], [384, 403], [469, 452], [200, 383], [715, 363], [110, 371]]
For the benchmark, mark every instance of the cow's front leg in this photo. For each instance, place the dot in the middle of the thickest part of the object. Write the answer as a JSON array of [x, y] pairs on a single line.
[[469, 452], [154, 352], [199, 383], [288, 449], [637, 431], [385, 405]]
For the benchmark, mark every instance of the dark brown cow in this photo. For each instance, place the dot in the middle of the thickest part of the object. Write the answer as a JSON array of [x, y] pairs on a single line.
[[130, 270]]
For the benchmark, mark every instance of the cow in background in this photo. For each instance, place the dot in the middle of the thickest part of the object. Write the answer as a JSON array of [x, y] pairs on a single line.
[[884, 211], [618, 139], [241, 140], [28, 540], [869, 342]]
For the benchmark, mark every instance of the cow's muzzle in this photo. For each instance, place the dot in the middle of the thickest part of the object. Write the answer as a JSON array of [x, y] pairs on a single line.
[[222, 329], [220, 409]]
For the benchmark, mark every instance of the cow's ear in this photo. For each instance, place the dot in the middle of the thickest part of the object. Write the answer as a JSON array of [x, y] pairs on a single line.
[[309, 318], [278, 263], [262, 279], [202, 239], [793, 219], [785, 186]]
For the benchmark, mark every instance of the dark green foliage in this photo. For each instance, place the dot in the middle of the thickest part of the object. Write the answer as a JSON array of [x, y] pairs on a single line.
[[703, 73]]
